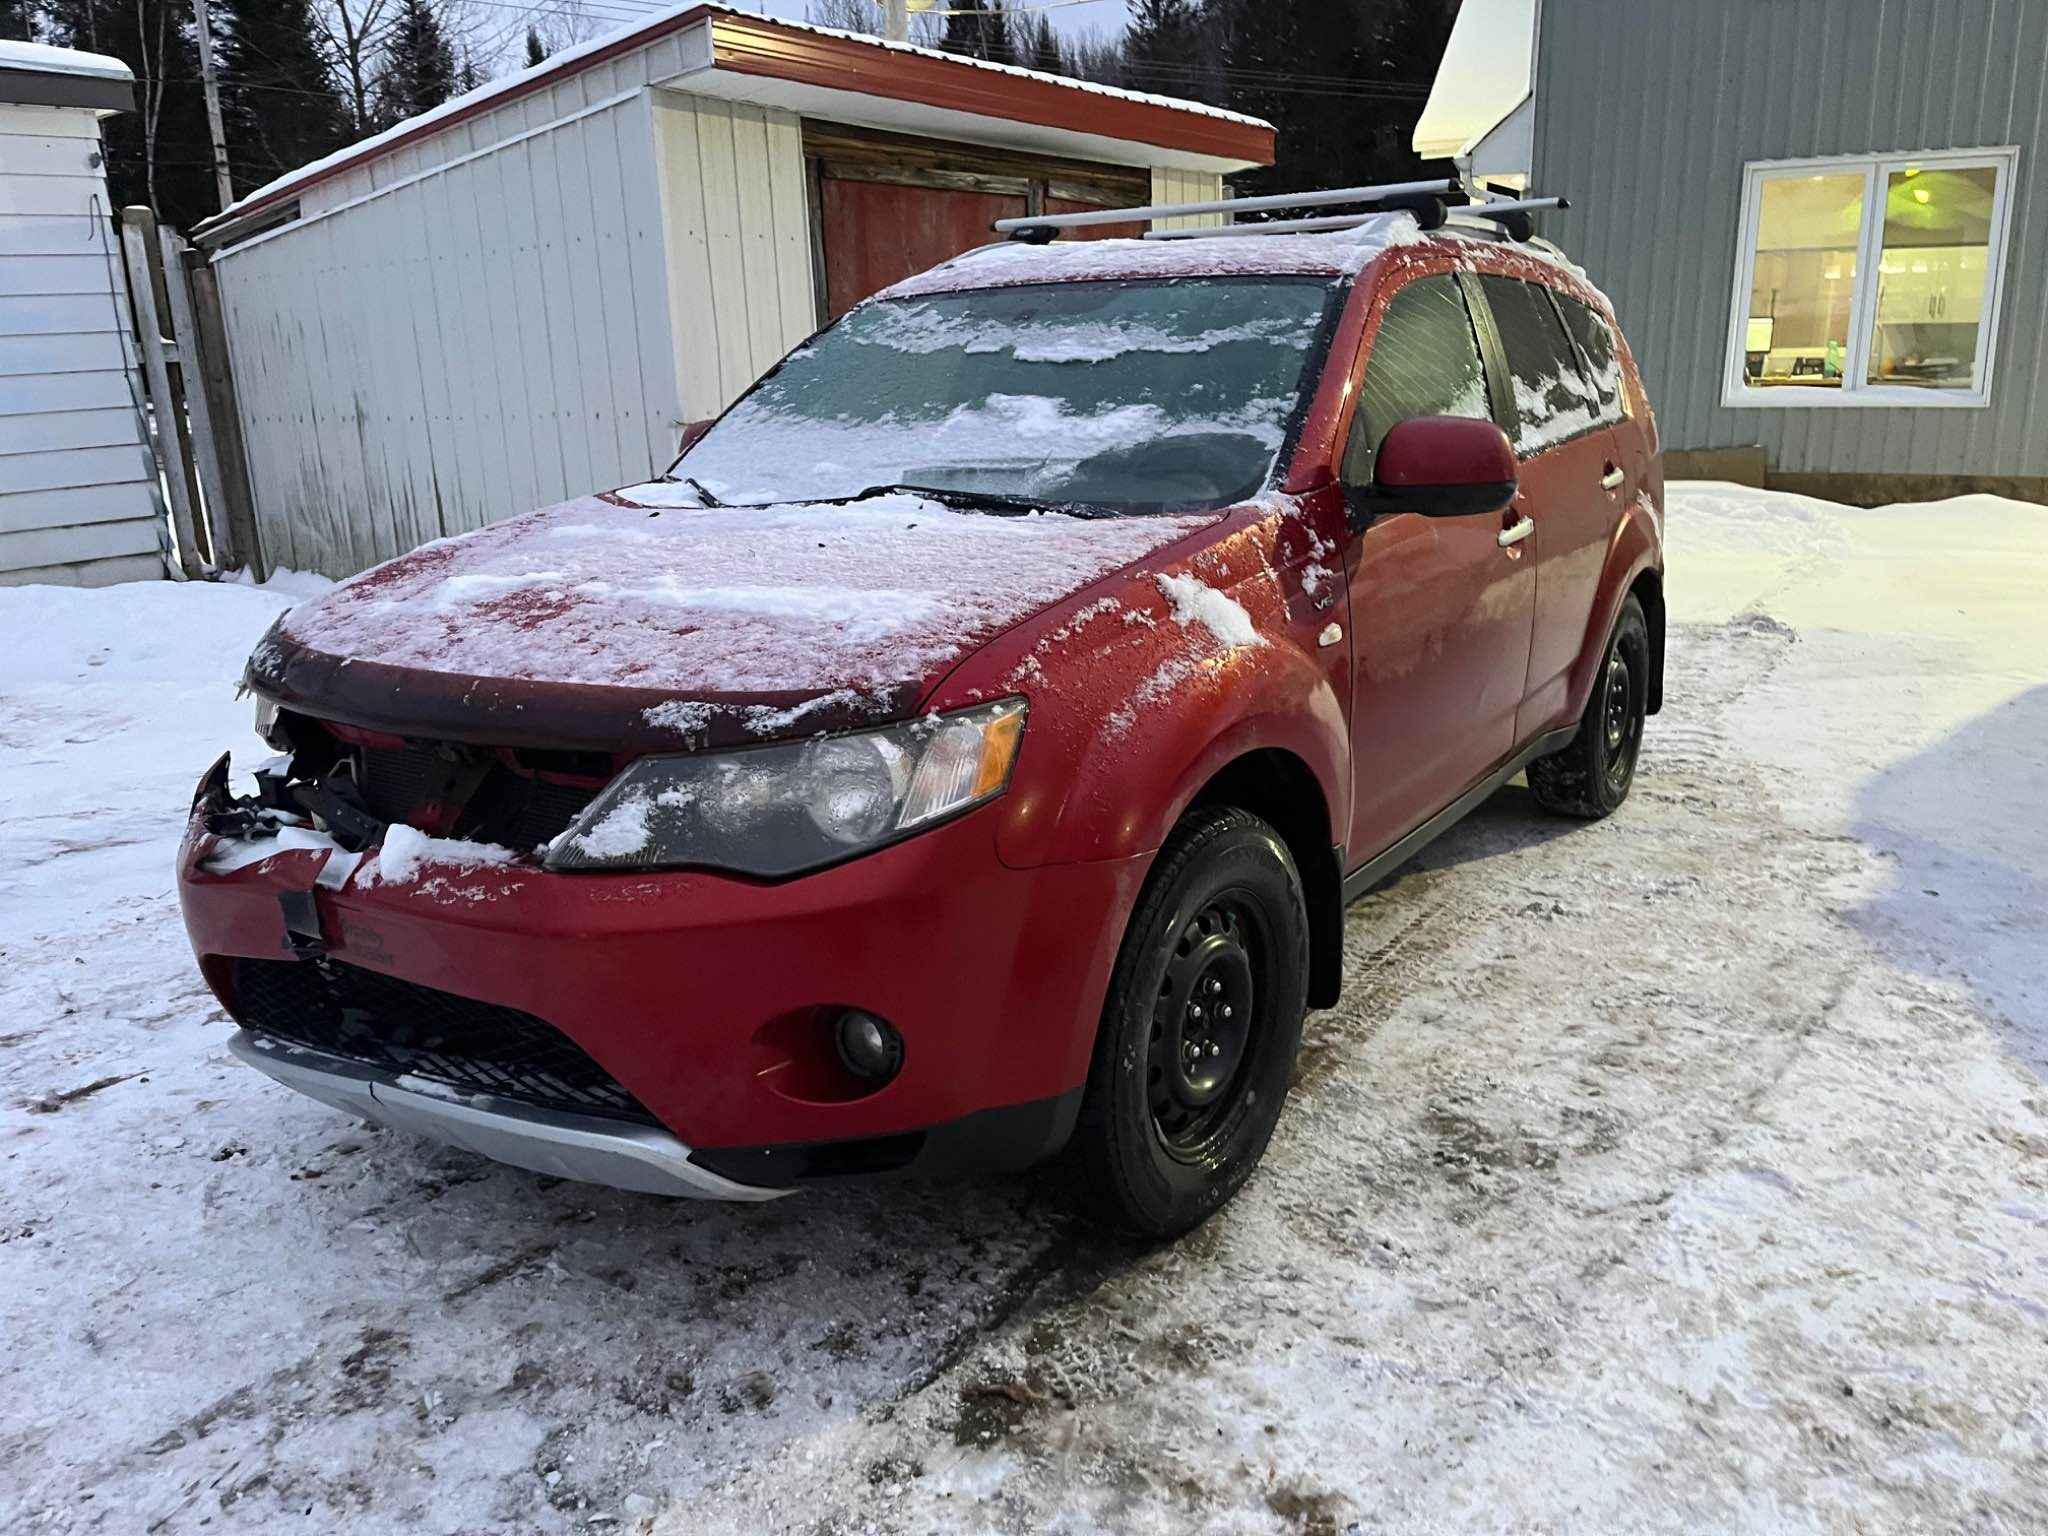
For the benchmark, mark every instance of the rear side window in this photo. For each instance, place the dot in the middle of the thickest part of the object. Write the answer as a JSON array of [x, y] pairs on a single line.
[[1554, 400], [1424, 362], [1601, 355]]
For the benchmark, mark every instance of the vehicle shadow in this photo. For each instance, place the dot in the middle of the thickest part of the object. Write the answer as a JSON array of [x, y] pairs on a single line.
[[1507, 821], [1968, 892]]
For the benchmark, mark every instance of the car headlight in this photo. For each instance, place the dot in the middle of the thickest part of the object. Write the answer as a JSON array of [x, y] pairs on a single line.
[[798, 805]]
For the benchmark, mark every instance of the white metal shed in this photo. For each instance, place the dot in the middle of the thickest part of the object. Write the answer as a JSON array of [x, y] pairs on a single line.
[[78, 502], [525, 294]]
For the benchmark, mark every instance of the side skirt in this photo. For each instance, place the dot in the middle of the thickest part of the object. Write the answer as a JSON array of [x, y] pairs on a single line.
[[1376, 869]]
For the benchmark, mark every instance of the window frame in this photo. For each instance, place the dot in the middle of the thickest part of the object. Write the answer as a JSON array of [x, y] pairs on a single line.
[[1856, 392]]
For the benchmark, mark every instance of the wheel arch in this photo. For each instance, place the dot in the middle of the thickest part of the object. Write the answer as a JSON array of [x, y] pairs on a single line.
[[1282, 790], [1648, 589]]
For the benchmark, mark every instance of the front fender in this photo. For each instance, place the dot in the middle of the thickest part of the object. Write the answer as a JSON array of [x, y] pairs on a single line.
[[1142, 695]]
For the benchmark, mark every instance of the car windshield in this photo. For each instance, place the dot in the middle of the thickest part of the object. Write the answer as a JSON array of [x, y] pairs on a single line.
[[1114, 396]]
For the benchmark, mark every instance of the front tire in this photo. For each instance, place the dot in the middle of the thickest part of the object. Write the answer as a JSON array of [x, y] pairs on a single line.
[[1591, 776], [1200, 1029]]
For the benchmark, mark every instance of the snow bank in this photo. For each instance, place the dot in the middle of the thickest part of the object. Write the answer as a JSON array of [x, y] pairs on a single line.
[[639, 589]]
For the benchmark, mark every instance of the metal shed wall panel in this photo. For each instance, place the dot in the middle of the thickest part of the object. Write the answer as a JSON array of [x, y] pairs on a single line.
[[76, 498], [484, 334], [1646, 116], [734, 195]]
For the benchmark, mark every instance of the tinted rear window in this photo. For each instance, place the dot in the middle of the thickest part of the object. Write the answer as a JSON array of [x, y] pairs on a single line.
[[1602, 356], [1554, 400]]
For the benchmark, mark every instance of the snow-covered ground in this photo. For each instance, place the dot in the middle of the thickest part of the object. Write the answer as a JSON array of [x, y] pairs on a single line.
[[1684, 1172]]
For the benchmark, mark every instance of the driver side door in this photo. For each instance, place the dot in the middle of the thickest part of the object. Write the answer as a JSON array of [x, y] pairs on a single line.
[[1441, 608]]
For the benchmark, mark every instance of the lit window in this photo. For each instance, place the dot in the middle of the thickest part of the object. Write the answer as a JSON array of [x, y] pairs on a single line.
[[1869, 281]]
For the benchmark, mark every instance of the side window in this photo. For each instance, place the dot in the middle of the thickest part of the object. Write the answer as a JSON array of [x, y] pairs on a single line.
[[1554, 400], [1424, 362], [1603, 357]]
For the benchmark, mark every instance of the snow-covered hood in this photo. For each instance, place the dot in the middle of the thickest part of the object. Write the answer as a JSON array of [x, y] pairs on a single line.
[[632, 621]]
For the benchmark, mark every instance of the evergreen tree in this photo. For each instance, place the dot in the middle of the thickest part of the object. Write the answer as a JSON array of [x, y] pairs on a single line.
[[279, 104], [980, 29], [1165, 47], [419, 70], [1343, 82], [161, 153], [1040, 47], [17, 21], [536, 52]]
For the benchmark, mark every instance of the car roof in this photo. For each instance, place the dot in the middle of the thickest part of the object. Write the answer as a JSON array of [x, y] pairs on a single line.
[[1333, 254]]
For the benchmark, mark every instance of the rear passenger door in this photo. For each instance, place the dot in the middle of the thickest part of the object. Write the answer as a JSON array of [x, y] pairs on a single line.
[[1571, 484]]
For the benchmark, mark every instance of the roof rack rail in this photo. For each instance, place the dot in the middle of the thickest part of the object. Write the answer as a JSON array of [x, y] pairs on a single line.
[[1422, 198]]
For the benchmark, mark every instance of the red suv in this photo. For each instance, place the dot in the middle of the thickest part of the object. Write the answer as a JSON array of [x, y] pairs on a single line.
[[967, 750]]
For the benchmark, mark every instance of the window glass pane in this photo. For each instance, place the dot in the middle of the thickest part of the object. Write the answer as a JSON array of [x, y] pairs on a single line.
[[1126, 396], [1425, 362], [1933, 276], [1554, 401], [1797, 330], [1596, 343]]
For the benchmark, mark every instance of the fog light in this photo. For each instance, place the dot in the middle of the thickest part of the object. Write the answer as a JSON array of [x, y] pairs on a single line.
[[868, 1047]]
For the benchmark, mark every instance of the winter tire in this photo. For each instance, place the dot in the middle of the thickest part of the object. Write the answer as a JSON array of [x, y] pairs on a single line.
[[1200, 1029], [1591, 776]]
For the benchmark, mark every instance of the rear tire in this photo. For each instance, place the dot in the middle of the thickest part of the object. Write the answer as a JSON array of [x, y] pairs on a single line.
[[1591, 776], [1200, 1029]]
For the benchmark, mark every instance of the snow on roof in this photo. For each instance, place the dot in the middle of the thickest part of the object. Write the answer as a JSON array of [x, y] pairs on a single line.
[[655, 25], [42, 59], [1339, 253], [1484, 76]]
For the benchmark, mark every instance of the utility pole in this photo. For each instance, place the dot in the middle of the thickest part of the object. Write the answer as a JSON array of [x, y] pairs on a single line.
[[221, 179], [896, 20]]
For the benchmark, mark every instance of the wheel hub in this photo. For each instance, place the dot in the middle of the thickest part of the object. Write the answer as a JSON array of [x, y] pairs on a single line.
[[1620, 695], [1202, 1023]]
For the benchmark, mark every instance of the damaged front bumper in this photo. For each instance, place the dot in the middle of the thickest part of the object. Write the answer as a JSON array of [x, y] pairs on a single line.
[[676, 1024], [584, 1147]]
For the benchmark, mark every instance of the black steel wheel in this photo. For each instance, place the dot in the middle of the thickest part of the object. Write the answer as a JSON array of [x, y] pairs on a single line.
[[1200, 1029], [1590, 777]]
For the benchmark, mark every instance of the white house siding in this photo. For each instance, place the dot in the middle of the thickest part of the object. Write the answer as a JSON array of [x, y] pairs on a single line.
[[1176, 186], [468, 329], [739, 242], [76, 503]]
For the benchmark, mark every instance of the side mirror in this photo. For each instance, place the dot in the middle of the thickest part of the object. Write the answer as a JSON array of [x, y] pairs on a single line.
[[1440, 466], [692, 430]]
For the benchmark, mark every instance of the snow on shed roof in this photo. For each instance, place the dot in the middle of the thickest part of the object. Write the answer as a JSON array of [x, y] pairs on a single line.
[[42, 59], [829, 62]]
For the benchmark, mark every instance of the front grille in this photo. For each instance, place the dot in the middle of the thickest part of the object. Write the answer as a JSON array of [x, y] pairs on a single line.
[[402, 1027], [410, 784]]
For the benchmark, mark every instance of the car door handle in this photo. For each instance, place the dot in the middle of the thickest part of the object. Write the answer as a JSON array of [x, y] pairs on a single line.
[[1611, 481], [1519, 532]]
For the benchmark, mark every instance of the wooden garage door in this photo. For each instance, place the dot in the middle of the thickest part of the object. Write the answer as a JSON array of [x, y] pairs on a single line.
[[878, 233], [885, 206]]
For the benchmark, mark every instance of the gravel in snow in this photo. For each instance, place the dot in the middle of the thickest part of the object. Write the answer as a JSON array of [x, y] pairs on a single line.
[[1682, 1172]]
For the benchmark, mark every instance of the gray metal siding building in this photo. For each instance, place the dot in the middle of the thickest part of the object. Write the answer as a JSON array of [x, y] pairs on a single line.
[[1652, 116]]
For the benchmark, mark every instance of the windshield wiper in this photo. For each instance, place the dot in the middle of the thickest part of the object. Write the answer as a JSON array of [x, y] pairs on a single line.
[[992, 501], [703, 495]]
